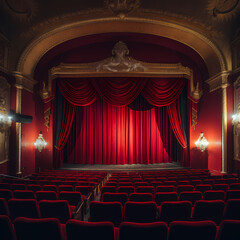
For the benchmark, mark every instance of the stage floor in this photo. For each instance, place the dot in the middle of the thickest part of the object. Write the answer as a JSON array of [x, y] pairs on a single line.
[[125, 167]]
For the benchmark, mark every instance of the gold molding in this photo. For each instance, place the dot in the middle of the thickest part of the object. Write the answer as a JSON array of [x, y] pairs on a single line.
[[219, 80], [24, 82], [148, 70], [208, 50]]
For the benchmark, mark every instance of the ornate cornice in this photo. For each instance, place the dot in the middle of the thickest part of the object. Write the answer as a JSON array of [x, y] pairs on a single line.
[[24, 82], [219, 80]]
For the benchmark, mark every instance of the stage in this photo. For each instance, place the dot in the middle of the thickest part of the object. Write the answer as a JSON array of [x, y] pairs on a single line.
[[125, 167]]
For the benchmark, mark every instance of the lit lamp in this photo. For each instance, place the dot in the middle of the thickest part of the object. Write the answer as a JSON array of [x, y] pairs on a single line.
[[235, 119], [40, 142], [5, 121], [202, 142]]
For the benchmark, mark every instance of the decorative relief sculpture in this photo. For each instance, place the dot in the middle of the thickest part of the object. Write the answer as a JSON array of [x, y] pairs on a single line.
[[120, 61], [223, 10], [122, 7]]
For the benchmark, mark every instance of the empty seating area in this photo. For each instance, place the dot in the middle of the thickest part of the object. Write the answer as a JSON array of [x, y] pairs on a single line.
[[171, 205]]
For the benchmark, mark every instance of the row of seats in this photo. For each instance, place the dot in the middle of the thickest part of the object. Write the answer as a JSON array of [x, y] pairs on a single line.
[[215, 210], [50, 228], [72, 197], [160, 197], [14, 208], [36, 187]]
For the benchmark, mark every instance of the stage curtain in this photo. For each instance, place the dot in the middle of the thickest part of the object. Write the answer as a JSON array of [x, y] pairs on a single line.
[[68, 117], [163, 92], [111, 134], [78, 92], [119, 91]]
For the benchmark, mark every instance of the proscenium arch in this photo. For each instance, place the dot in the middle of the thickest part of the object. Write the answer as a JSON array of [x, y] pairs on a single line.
[[212, 56]]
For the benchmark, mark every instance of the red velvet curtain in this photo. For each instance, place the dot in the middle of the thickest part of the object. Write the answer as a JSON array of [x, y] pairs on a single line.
[[111, 134], [121, 92]]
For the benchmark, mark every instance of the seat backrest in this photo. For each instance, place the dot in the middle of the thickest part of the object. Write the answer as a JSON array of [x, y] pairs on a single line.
[[5, 186], [4, 207], [84, 190], [143, 231], [232, 209], [46, 195], [23, 194], [23, 208], [6, 194], [165, 189], [55, 209], [208, 210], [65, 188], [125, 189], [192, 230], [141, 212], [233, 194], [145, 189], [106, 211], [7, 231], [73, 198], [175, 211], [203, 187], [115, 197], [34, 187], [50, 188], [229, 230], [141, 197], [161, 197], [222, 186], [191, 196], [184, 188], [234, 186], [89, 230], [18, 187], [37, 229], [214, 195]]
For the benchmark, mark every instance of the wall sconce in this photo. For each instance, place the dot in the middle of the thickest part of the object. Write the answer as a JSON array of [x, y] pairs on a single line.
[[236, 119], [40, 142], [202, 142], [5, 122]]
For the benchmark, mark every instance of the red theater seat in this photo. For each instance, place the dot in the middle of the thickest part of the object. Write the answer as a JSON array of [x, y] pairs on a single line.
[[23, 208], [73, 198], [6, 194], [5, 186], [84, 190], [161, 197], [46, 195], [143, 231], [106, 211], [234, 186], [203, 230], [223, 187], [34, 187], [165, 189], [89, 230], [23, 194], [184, 188], [55, 209], [233, 194], [214, 195], [7, 231], [229, 230], [125, 189], [191, 196], [38, 229], [68, 188], [115, 197], [203, 187], [208, 210], [4, 207], [50, 188], [145, 189], [18, 187], [140, 212], [141, 197], [175, 211], [232, 209]]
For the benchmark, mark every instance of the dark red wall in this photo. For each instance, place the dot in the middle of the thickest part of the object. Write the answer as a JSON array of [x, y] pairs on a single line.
[[210, 123]]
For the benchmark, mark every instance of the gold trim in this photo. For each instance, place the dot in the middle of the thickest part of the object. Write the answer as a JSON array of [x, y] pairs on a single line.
[[205, 47], [218, 81], [18, 129], [24, 82], [4, 161], [224, 129]]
